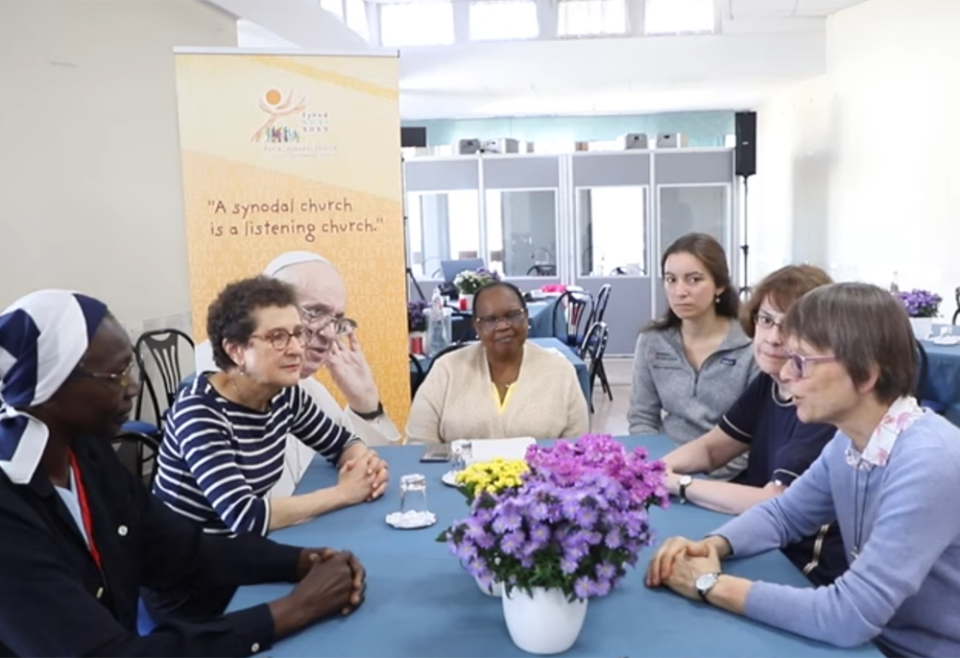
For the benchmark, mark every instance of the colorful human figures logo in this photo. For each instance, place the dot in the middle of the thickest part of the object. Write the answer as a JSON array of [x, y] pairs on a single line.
[[277, 107]]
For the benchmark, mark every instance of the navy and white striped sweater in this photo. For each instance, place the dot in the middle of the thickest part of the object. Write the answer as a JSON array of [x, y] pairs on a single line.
[[219, 459]]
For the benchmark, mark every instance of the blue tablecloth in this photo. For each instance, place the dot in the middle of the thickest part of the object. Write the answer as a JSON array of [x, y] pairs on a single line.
[[420, 602], [943, 379], [541, 318], [582, 375]]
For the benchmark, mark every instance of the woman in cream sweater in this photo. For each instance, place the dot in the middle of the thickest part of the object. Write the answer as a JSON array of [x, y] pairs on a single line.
[[502, 387]]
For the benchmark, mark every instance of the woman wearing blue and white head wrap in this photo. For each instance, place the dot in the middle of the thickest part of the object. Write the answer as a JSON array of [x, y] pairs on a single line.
[[81, 535]]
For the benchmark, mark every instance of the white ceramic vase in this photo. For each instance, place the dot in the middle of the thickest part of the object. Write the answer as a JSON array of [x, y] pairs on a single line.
[[922, 327], [495, 590], [467, 303], [544, 623]]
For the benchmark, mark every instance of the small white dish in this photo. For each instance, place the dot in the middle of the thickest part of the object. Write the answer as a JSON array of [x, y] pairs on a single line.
[[450, 479], [410, 520], [945, 340]]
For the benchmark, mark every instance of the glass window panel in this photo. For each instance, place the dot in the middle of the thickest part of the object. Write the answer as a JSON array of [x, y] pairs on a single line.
[[577, 18], [357, 17], [611, 227], [522, 231], [335, 7], [700, 209], [416, 24], [679, 17], [503, 20], [441, 226]]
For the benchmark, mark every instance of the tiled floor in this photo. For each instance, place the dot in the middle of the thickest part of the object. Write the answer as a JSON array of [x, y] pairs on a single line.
[[611, 417]]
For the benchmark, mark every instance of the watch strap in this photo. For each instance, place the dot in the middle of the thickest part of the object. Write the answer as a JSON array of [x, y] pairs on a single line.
[[370, 415], [683, 490]]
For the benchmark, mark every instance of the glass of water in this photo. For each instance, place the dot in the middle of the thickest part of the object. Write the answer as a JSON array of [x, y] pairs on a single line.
[[413, 494], [462, 451]]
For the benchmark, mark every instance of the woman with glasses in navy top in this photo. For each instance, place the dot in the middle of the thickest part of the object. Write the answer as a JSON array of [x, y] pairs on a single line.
[[764, 422]]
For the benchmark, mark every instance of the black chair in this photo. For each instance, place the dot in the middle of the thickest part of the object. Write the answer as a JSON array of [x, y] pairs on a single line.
[[163, 347], [416, 374], [138, 452], [542, 270], [571, 317], [956, 314], [600, 308], [591, 352], [453, 347]]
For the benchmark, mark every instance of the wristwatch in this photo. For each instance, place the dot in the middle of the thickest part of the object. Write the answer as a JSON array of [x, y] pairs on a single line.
[[371, 415], [685, 481], [705, 583]]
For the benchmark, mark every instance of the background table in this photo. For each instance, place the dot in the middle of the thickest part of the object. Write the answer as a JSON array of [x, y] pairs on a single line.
[[547, 343], [943, 378], [421, 603], [540, 314]]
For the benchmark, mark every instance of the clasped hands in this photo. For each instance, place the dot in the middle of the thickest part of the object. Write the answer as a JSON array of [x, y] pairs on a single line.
[[363, 477], [679, 562]]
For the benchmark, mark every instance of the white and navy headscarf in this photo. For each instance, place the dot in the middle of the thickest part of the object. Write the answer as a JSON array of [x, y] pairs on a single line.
[[43, 337]]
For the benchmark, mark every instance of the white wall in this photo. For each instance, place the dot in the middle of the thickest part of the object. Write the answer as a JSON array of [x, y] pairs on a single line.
[[90, 188], [858, 168]]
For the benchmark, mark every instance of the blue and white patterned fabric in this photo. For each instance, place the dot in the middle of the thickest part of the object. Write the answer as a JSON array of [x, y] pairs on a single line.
[[43, 337]]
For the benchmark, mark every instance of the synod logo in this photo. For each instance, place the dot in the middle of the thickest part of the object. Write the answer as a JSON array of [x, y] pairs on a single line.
[[290, 127]]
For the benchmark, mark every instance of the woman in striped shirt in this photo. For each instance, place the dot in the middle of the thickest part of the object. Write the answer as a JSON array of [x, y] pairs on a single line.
[[224, 437], [223, 446]]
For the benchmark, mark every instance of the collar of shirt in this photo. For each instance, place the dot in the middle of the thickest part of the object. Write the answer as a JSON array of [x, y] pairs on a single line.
[[901, 415]]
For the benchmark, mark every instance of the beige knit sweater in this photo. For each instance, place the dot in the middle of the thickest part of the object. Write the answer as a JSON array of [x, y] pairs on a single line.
[[458, 400]]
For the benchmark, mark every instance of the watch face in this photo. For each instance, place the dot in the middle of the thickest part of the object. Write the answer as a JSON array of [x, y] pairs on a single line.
[[706, 582], [686, 480]]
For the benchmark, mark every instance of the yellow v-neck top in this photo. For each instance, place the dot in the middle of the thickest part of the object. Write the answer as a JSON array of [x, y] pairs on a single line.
[[459, 401]]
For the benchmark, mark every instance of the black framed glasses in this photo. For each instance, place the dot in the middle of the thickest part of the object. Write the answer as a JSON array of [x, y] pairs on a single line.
[[319, 321], [799, 362], [280, 338], [491, 322], [129, 377], [766, 321]]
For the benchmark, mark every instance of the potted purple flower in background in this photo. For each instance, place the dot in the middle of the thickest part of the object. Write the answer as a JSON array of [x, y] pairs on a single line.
[[566, 535], [922, 306]]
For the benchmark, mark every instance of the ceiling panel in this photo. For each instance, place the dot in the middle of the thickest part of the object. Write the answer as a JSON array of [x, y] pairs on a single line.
[[823, 7], [747, 8]]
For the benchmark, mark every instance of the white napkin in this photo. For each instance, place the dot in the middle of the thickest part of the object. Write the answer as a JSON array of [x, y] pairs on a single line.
[[946, 340], [486, 449]]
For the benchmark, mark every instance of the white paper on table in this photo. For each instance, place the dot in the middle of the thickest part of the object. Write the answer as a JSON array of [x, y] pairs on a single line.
[[487, 449], [946, 340], [555, 351]]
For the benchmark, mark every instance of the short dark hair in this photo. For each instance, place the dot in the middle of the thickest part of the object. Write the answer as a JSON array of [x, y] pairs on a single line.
[[498, 284], [865, 327], [783, 288], [710, 252], [230, 315]]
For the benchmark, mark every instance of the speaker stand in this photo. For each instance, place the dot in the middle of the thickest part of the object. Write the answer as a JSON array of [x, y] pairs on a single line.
[[745, 247]]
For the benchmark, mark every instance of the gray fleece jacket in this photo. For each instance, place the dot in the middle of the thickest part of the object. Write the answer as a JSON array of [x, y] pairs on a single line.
[[670, 397]]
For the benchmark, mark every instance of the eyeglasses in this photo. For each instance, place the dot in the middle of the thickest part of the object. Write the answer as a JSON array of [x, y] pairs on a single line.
[[280, 338], [767, 321], [129, 377], [320, 320], [513, 318], [799, 362]]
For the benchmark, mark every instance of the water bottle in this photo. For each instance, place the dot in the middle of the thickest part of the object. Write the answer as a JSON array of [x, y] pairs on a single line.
[[436, 325]]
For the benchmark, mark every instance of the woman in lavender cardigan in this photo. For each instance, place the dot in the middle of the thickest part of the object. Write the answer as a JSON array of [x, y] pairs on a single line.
[[891, 478]]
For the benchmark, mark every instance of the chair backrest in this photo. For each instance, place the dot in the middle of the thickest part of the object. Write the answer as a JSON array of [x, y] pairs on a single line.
[[138, 452], [956, 314], [600, 308], [571, 316], [594, 343], [163, 349], [542, 270], [417, 374], [453, 347]]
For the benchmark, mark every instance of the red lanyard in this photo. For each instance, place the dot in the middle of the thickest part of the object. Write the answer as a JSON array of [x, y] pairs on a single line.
[[84, 510]]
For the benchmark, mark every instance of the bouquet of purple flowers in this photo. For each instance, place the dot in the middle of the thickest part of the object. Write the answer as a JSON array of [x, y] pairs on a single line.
[[920, 303], [417, 315], [575, 523]]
